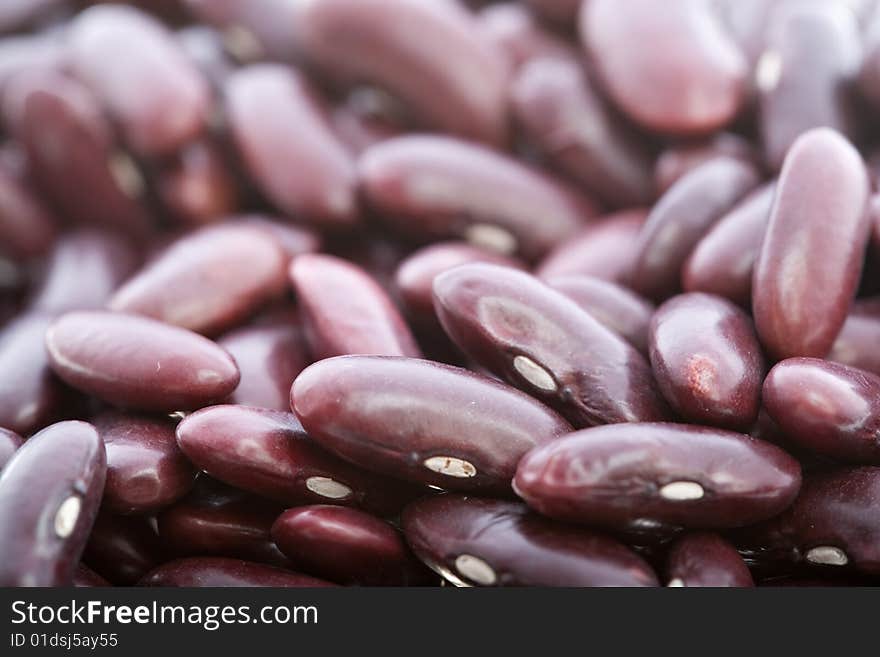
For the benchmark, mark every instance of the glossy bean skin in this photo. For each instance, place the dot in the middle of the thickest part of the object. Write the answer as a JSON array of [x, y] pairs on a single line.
[[268, 453], [827, 408], [606, 249], [139, 90], [819, 216], [207, 281], [9, 442], [677, 160], [617, 475], [423, 433], [145, 469], [706, 559], [515, 546], [432, 187], [707, 361], [682, 217], [347, 546], [345, 311], [449, 77], [122, 549], [49, 496], [540, 341], [567, 120], [137, 362], [85, 577], [859, 338], [218, 571], [280, 126], [514, 30], [27, 226], [723, 262], [612, 305], [691, 77]]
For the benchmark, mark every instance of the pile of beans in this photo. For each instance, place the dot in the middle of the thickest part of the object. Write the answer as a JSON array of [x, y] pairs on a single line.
[[411, 292]]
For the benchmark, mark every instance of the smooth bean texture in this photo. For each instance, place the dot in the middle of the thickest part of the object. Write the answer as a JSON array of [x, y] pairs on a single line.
[[704, 559]]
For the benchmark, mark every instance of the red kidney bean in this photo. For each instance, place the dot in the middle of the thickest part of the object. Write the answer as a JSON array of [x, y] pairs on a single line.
[[145, 469], [123, 548], [569, 123], [665, 474], [207, 281], [514, 31], [827, 408], [9, 442], [139, 89], [87, 578], [281, 128], [610, 304], [27, 227], [559, 11], [858, 343], [217, 571], [218, 520], [540, 341], [723, 262], [347, 546], [49, 495], [686, 76], [437, 187], [819, 215], [705, 559], [139, 363], [681, 218], [805, 76], [345, 311], [480, 542], [605, 249], [678, 160], [268, 453], [431, 55], [707, 361], [82, 271], [436, 424]]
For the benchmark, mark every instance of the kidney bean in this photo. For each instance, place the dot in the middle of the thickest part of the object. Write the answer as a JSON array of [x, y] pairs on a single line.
[[139, 89], [85, 577], [610, 304], [805, 76], [858, 343], [49, 495], [346, 312], [218, 520], [681, 218], [281, 128], [706, 559], [207, 281], [268, 453], [481, 542], [514, 31], [438, 187], [819, 215], [677, 160], [540, 341], [605, 249], [723, 261], [137, 362], [439, 425], [687, 76], [666, 474], [431, 55], [27, 227], [9, 442], [347, 546], [559, 11], [707, 361], [123, 548], [217, 571], [569, 123]]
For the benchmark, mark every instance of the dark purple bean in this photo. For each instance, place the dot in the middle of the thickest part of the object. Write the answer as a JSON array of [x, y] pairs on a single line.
[[9, 442], [216, 571], [19, 13], [704, 559], [707, 361], [422, 421], [49, 496], [646, 475], [268, 453], [610, 304], [123, 548], [207, 281], [480, 542], [345, 311], [513, 30], [139, 363], [808, 269], [85, 577], [27, 227], [723, 262], [540, 341], [682, 217], [676, 161], [347, 546], [858, 343], [559, 11], [670, 67]]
